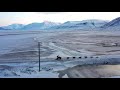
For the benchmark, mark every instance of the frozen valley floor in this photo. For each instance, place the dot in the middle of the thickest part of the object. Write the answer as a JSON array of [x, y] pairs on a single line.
[[19, 54]]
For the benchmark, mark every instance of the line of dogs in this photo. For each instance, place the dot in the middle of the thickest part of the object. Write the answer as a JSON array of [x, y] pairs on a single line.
[[59, 58]]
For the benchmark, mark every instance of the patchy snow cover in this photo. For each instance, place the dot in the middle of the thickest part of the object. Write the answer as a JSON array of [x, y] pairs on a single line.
[[49, 66], [49, 69]]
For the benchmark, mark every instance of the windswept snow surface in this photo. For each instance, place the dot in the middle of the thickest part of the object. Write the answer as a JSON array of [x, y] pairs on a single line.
[[50, 69], [19, 52]]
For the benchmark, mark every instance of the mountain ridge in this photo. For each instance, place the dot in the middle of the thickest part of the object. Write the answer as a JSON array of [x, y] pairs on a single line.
[[13, 26], [112, 23], [68, 25]]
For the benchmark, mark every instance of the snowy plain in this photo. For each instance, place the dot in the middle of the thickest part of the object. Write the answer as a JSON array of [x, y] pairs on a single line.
[[19, 52]]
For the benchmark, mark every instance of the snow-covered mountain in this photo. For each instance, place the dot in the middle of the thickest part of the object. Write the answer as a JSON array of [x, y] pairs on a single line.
[[112, 24], [69, 25], [85, 24], [95, 22], [1, 28], [14, 26], [39, 26]]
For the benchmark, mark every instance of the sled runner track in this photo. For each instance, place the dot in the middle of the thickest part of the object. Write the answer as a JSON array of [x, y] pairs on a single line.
[[75, 61]]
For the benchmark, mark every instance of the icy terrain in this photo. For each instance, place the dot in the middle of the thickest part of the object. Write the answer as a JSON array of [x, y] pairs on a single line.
[[19, 52]]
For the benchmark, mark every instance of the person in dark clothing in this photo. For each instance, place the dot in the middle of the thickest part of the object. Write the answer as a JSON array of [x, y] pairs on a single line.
[[58, 58]]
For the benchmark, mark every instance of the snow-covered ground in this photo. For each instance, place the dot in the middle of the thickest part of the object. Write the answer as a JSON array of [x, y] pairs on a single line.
[[50, 69], [19, 52]]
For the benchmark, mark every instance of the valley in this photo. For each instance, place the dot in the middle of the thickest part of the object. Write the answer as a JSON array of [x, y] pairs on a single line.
[[19, 53]]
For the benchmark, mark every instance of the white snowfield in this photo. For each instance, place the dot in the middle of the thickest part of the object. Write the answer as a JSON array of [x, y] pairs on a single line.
[[49, 69], [19, 53]]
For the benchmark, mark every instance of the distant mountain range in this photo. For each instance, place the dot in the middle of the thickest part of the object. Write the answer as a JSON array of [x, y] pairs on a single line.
[[40, 26], [114, 24], [85, 24], [14, 26], [1, 28], [69, 25]]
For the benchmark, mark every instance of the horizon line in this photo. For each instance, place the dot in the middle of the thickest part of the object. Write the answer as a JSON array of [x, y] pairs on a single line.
[[53, 22]]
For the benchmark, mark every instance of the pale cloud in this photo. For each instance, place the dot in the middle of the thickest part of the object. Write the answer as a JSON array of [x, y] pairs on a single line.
[[29, 17], [77, 16]]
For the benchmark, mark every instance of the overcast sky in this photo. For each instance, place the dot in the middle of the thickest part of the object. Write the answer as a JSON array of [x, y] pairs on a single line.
[[7, 18]]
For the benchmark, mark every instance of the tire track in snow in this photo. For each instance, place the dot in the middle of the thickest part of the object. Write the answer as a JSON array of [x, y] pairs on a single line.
[[63, 51]]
